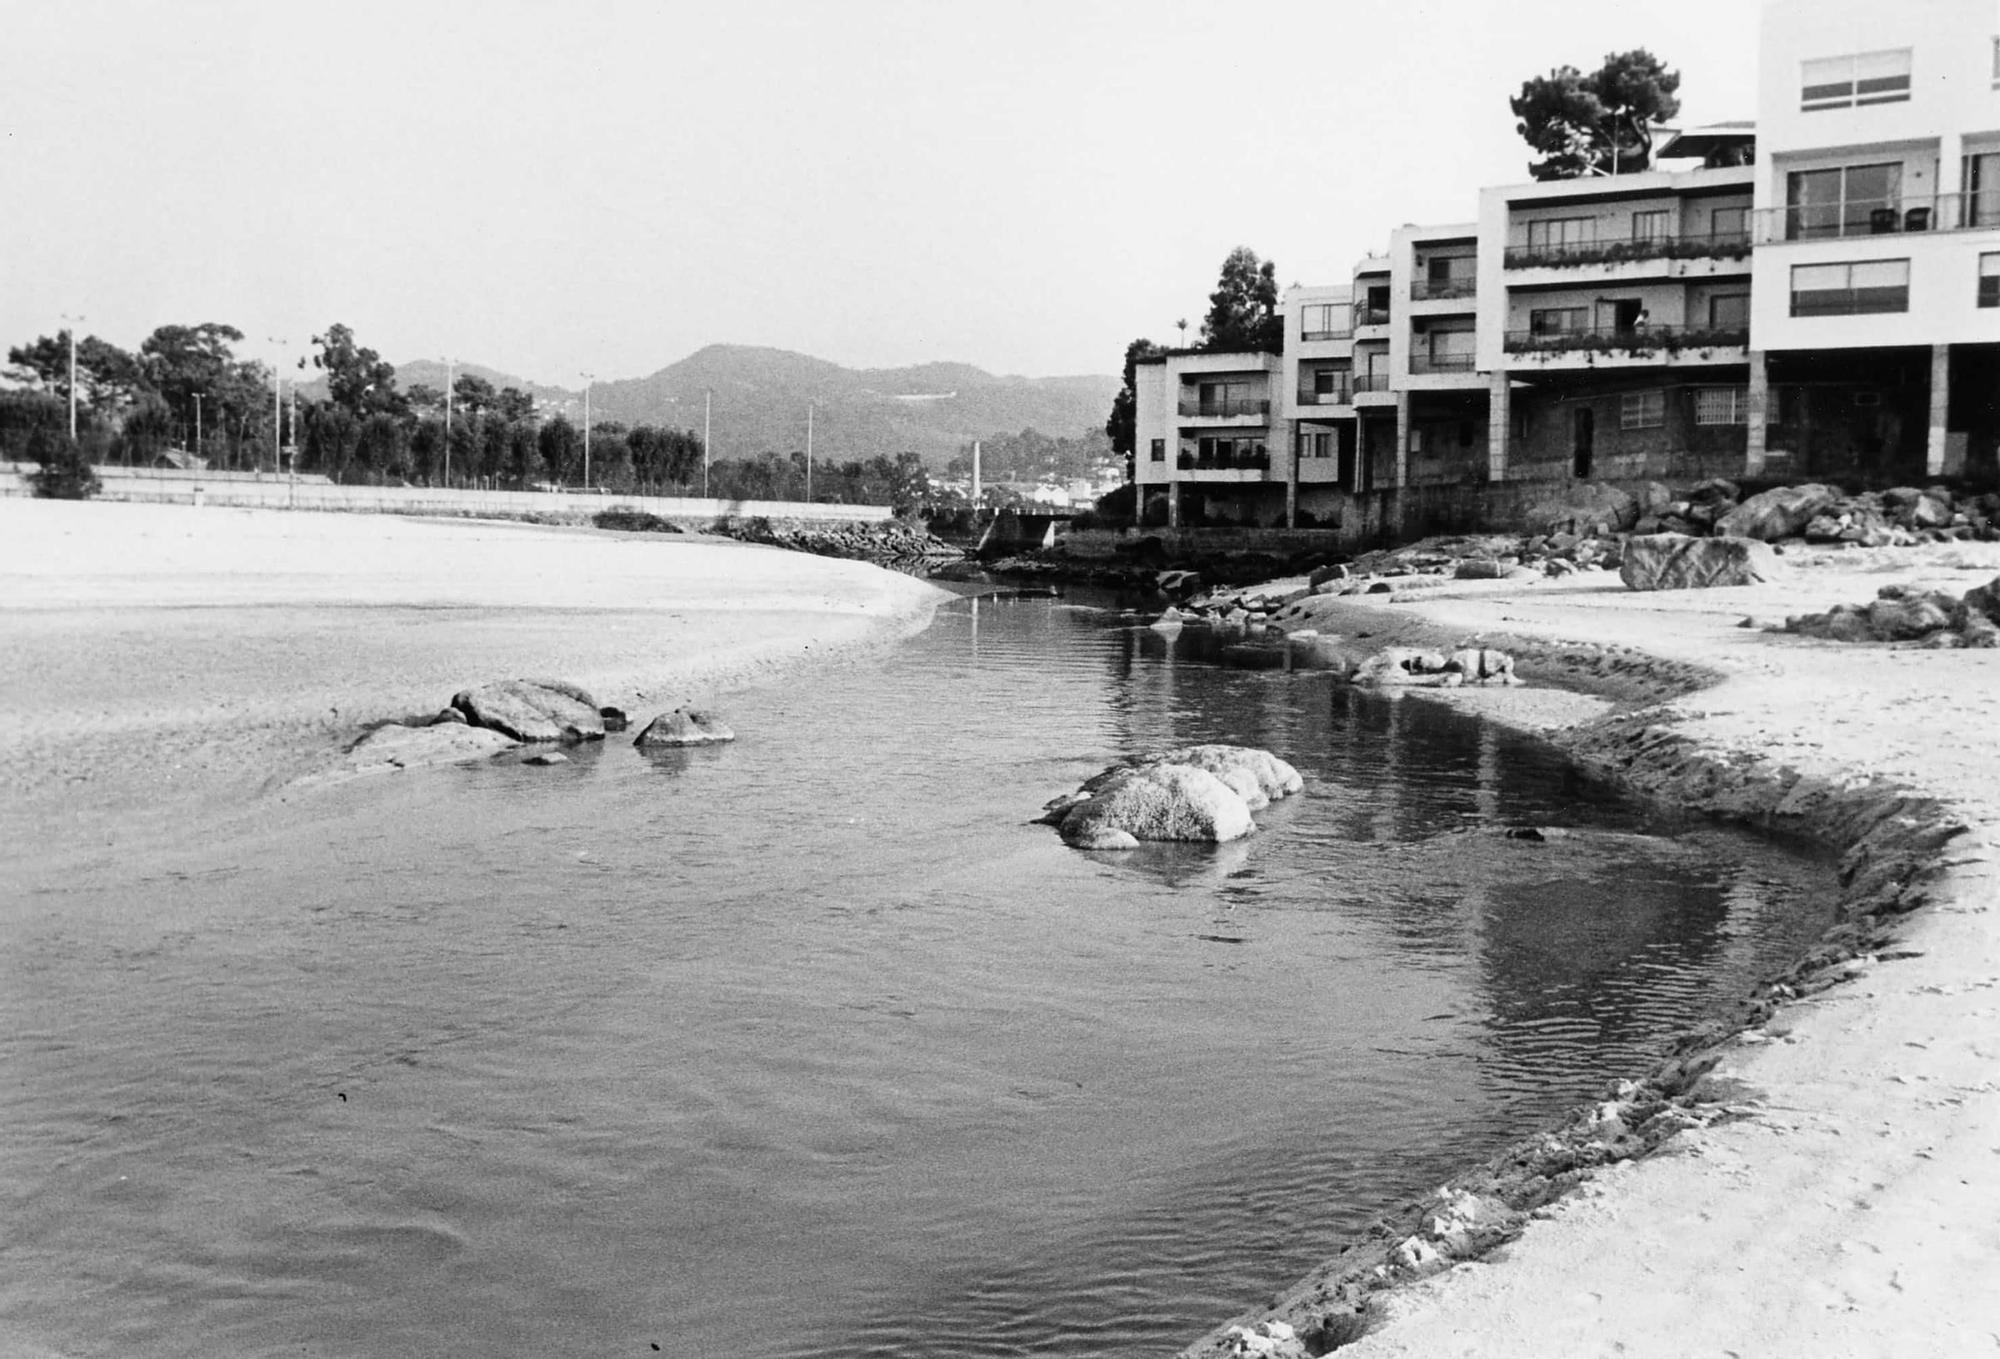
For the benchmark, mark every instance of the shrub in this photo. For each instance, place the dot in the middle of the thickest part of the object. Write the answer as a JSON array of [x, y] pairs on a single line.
[[64, 472]]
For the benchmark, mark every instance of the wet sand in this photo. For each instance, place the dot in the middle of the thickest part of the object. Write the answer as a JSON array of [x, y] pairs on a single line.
[[162, 662], [1844, 1199]]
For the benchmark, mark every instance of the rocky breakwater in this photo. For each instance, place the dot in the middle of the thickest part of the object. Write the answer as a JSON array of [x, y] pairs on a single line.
[[895, 545], [1933, 619], [1198, 793], [1821, 515]]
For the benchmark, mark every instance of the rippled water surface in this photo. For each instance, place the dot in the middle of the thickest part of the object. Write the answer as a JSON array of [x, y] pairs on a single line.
[[812, 1045]]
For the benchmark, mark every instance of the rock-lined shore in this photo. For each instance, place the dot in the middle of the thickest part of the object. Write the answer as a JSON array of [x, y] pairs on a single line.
[[1809, 1175]]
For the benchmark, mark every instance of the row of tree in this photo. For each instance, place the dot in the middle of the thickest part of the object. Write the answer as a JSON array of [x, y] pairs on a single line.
[[185, 390]]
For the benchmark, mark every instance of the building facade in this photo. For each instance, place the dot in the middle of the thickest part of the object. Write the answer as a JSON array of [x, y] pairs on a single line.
[[1812, 296]]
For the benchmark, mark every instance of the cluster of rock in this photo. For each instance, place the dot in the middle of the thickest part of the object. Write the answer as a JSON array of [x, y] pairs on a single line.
[[1818, 514], [490, 718], [1935, 619], [1198, 793], [896, 545]]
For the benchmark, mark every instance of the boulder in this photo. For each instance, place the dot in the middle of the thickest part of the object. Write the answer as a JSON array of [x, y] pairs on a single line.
[[1404, 665], [1672, 561], [684, 727], [1156, 802], [1905, 620], [1714, 491], [1480, 665], [399, 747], [1258, 776], [547, 757], [1782, 512], [1984, 600], [448, 717], [532, 710], [1480, 568], [614, 719]]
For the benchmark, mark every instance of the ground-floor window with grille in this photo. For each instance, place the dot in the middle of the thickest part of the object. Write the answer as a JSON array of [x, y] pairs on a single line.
[[1722, 406], [1642, 410]]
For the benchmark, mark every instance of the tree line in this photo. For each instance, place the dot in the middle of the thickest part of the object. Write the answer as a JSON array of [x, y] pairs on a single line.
[[185, 390]]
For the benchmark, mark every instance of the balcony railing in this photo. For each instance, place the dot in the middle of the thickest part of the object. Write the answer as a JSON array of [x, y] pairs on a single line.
[[1728, 245], [1365, 315], [1609, 339], [1371, 382], [1226, 408], [1342, 395], [1880, 217], [1441, 363], [1443, 289], [1310, 335]]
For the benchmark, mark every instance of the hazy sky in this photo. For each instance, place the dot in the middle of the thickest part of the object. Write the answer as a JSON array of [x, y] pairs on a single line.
[[554, 189]]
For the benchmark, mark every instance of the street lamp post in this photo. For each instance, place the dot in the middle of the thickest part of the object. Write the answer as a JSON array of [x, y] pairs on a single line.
[[71, 333], [707, 395], [588, 379], [449, 365], [197, 424]]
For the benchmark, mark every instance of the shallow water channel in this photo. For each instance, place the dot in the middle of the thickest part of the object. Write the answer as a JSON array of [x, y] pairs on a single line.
[[813, 1045]]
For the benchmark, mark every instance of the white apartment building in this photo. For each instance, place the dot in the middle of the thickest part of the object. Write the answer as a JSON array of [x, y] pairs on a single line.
[[1203, 427], [1876, 280]]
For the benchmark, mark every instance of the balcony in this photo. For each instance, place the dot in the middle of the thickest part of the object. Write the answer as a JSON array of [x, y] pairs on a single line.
[[1721, 245], [1880, 217], [1226, 408], [1441, 363], [1646, 340], [1365, 315], [1371, 382], [1443, 289], [1342, 395], [1253, 466], [1310, 335]]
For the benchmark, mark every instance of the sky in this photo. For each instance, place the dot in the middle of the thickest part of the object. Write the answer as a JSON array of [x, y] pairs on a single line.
[[562, 190]]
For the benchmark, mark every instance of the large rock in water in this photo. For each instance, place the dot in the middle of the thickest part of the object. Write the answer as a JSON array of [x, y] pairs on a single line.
[[532, 710], [1674, 561], [1782, 512], [1204, 792], [401, 747], [1157, 802], [684, 727]]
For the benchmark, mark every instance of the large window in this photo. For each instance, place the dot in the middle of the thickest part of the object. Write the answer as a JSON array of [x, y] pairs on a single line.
[[1846, 200], [1558, 320], [1326, 384], [1722, 406], [1325, 321], [1853, 81], [1729, 311], [1989, 279], [1651, 225], [1556, 233], [1729, 223], [1850, 289], [1981, 177], [1642, 410]]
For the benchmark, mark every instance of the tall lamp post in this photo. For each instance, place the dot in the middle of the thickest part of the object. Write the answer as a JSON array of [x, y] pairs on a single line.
[[588, 378], [449, 365], [197, 424], [278, 408], [707, 395], [71, 332]]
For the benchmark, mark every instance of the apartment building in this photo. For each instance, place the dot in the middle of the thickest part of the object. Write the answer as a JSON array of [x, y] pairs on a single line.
[[1876, 274], [1815, 295], [1614, 320]]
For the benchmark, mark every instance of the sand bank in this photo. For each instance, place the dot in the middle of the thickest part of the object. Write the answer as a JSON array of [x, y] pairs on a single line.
[[1845, 1199], [162, 662]]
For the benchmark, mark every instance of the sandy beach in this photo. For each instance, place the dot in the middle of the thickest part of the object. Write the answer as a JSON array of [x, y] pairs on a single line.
[[1844, 1201], [165, 661], [162, 663]]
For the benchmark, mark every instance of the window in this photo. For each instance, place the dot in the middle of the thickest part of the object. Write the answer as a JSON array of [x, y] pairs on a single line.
[[1315, 444], [1846, 200], [1850, 289], [1642, 410], [1557, 233], [1448, 349], [1981, 177], [1729, 311], [1722, 406], [1159, 450], [1324, 321], [1854, 81], [1650, 225], [1729, 223], [1558, 320], [1989, 279]]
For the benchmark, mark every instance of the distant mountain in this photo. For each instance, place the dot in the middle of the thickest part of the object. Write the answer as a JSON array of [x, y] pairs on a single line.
[[760, 396]]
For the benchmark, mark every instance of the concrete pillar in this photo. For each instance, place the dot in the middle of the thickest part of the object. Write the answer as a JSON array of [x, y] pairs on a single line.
[[1499, 425], [1292, 480], [1174, 503], [1934, 447], [1756, 415], [1402, 439]]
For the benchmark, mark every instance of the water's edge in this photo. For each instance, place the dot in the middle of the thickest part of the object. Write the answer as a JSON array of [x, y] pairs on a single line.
[[1887, 838]]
